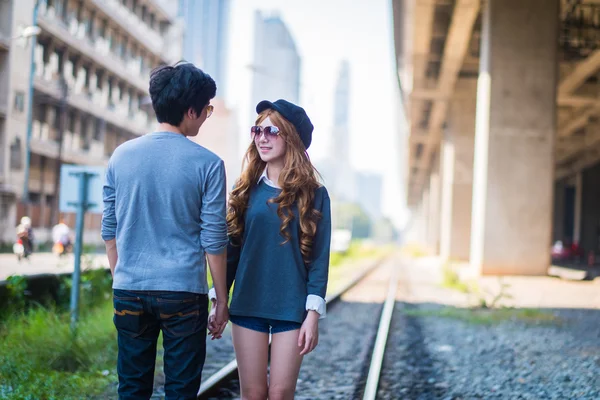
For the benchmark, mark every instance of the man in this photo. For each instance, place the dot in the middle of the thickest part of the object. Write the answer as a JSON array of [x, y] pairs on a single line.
[[164, 209], [25, 233]]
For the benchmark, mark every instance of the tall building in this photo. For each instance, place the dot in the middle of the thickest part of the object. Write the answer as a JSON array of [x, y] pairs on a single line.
[[206, 36], [369, 187], [341, 119], [344, 184], [91, 65], [276, 65]]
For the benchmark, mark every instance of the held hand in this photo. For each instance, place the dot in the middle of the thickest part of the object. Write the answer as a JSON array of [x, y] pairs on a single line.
[[212, 326], [309, 333], [221, 317]]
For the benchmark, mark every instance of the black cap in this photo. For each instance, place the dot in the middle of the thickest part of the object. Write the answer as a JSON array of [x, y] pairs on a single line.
[[294, 114]]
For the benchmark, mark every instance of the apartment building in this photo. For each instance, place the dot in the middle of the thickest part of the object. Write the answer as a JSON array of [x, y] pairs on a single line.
[[91, 64]]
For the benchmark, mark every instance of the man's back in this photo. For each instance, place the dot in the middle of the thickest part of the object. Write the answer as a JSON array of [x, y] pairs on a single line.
[[169, 208]]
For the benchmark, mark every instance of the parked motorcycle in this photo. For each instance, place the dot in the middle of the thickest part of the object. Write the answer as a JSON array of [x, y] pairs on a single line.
[[20, 250]]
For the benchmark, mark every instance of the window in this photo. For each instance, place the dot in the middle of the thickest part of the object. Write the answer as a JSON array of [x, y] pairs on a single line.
[[85, 137], [34, 198], [72, 120], [91, 25], [4, 208], [16, 159], [102, 30], [57, 113], [124, 50], [19, 101], [99, 130], [49, 199]]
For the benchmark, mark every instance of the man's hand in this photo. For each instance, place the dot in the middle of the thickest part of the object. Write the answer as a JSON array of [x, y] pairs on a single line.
[[309, 333], [113, 256], [217, 319]]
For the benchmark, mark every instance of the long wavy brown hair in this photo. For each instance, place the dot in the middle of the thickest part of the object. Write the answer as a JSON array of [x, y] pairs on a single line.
[[298, 181]]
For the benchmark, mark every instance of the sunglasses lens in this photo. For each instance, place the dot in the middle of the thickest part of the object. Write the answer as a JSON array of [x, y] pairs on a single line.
[[272, 130]]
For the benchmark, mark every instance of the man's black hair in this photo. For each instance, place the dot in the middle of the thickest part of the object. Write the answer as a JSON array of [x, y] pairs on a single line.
[[176, 89]]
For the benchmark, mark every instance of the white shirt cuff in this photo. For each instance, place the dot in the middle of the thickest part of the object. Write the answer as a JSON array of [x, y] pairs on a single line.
[[212, 294], [316, 303]]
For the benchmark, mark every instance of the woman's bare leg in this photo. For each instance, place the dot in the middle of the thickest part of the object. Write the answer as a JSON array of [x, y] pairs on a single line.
[[285, 365], [251, 352]]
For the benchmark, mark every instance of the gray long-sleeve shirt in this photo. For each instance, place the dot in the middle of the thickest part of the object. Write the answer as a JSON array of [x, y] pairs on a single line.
[[164, 202]]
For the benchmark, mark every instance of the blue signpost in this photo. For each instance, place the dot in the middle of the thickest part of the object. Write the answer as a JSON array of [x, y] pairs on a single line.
[[80, 191]]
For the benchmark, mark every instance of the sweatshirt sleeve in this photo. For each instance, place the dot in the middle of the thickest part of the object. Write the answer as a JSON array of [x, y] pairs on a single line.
[[318, 269]]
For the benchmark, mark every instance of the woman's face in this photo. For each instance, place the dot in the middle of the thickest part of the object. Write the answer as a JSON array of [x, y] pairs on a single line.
[[271, 147]]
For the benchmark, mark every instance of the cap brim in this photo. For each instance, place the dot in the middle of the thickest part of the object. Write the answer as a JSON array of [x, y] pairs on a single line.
[[264, 105]]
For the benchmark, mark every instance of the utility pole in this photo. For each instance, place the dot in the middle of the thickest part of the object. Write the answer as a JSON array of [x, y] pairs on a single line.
[[64, 92]]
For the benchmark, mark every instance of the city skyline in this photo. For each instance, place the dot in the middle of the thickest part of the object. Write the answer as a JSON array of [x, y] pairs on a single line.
[[377, 132]]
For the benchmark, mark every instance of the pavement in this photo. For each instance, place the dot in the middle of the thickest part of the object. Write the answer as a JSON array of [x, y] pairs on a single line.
[[519, 291], [46, 263]]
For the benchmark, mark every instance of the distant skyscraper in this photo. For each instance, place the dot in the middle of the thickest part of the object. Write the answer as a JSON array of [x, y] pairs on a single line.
[[344, 185], [341, 113], [276, 65], [206, 36], [369, 187]]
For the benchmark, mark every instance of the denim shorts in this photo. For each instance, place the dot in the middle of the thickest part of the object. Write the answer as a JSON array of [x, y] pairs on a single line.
[[264, 324]]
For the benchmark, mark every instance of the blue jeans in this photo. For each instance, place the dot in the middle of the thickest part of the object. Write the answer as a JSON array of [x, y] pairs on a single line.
[[182, 318]]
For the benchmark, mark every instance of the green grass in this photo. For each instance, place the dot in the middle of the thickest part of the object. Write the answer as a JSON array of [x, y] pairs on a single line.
[[484, 316], [357, 251], [451, 280], [39, 359]]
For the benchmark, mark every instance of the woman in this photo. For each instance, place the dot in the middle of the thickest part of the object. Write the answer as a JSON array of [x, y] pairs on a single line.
[[279, 224]]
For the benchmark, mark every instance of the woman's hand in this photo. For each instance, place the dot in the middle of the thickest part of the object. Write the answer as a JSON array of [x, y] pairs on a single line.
[[309, 333], [217, 320]]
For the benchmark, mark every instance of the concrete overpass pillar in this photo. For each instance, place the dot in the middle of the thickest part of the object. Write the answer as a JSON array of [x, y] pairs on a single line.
[[433, 230], [515, 135], [424, 214], [457, 173]]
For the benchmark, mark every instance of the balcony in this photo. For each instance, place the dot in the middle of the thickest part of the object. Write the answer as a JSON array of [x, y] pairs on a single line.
[[165, 8], [73, 150], [99, 52], [49, 148], [96, 104], [132, 24], [93, 156]]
